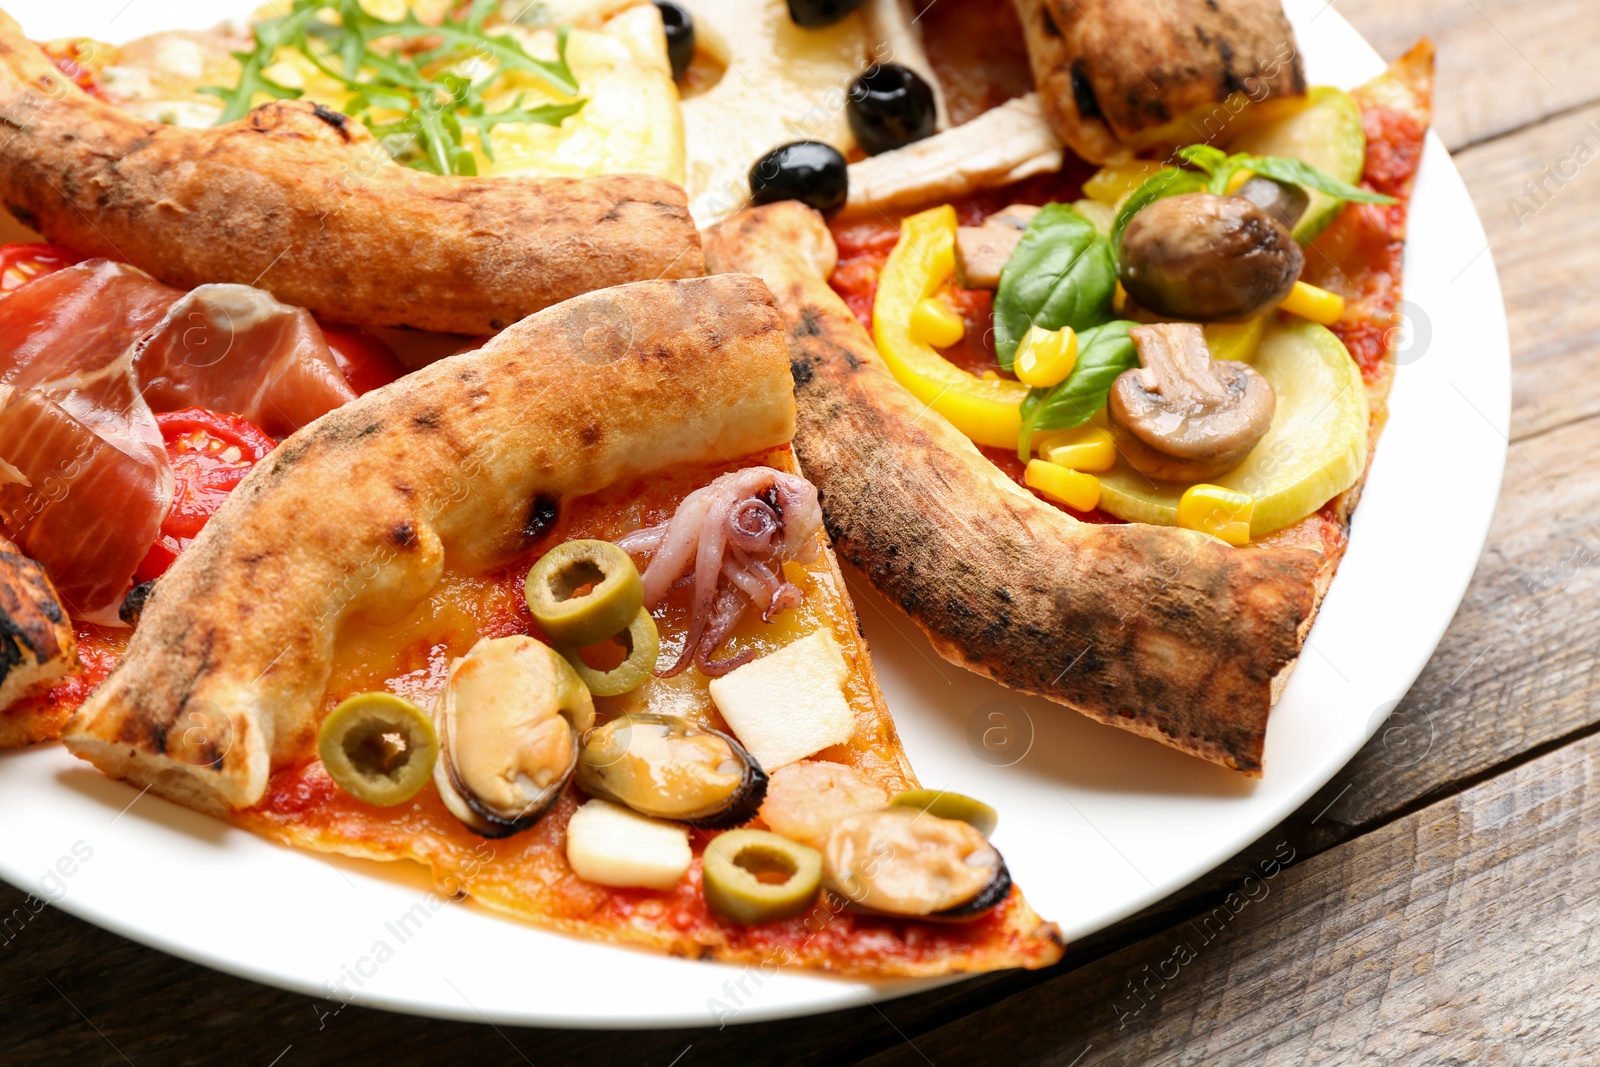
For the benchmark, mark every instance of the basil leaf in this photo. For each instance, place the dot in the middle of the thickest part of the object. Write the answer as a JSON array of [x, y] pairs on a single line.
[[1061, 274], [1103, 353], [1284, 169], [1167, 182]]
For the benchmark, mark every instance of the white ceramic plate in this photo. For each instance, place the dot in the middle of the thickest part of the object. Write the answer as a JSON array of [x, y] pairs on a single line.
[[1095, 823]]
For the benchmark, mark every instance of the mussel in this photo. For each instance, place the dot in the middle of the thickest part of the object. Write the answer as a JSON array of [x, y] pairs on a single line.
[[508, 727], [668, 768], [908, 862]]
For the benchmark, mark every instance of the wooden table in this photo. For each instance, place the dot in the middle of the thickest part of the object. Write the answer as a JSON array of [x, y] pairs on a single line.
[[1441, 905]]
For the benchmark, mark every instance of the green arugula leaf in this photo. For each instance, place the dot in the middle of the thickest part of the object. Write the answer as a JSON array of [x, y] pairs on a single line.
[[1061, 274], [1104, 352], [436, 108]]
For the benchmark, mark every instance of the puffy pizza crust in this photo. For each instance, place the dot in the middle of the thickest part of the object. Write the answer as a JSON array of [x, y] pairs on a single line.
[[1165, 632], [304, 202], [470, 460]]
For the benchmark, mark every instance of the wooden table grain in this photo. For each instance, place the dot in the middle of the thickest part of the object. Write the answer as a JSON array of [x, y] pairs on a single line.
[[1440, 905]]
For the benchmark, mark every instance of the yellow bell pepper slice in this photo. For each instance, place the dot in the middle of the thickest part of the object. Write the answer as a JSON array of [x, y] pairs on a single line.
[[1238, 341], [987, 410], [1046, 357]]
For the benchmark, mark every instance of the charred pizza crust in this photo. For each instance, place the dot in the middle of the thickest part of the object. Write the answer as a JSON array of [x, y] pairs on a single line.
[[303, 202], [37, 646]]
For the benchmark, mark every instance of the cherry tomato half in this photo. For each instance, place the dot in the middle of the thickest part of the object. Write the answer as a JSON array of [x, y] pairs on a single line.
[[22, 263], [210, 454], [366, 361]]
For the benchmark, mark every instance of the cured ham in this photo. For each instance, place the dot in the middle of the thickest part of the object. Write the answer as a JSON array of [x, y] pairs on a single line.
[[88, 355], [89, 481], [234, 348]]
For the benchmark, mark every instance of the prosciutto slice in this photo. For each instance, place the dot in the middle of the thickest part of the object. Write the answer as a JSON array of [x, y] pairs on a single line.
[[86, 355], [88, 480], [233, 348]]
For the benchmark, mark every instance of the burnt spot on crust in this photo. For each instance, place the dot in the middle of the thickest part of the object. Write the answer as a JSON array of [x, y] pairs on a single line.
[[334, 119], [543, 514], [590, 434], [802, 373], [133, 604], [22, 214], [1083, 92], [368, 430], [404, 535], [426, 420]]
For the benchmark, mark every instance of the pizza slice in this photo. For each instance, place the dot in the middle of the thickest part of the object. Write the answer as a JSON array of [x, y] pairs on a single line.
[[1030, 527], [556, 619]]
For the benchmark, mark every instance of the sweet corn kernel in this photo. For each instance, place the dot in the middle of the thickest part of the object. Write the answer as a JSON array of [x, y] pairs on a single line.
[[1111, 183], [1046, 357], [1239, 178], [1085, 448], [1219, 512], [1237, 341], [933, 323], [1119, 299], [1315, 304], [1077, 490]]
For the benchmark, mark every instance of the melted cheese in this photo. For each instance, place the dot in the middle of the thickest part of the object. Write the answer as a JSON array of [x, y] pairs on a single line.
[[782, 84]]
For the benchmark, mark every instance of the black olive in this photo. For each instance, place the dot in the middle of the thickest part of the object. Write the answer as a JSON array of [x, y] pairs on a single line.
[[890, 106], [680, 35], [815, 14], [808, 171]]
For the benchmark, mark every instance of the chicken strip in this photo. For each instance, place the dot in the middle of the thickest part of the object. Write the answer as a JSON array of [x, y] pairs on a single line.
[[303, 202]]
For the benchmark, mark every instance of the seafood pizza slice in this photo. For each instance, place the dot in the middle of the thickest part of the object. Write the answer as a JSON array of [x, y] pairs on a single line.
[[557, 619]]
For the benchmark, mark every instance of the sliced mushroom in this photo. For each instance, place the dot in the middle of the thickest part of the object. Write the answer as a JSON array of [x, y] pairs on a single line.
[[508, 727], [1284, 202], [1206, 257], [667, 768], [1183, 416], [983, 251], [902, 861]]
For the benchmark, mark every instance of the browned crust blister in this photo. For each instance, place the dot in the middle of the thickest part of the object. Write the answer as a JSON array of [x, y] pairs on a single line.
[[1161, 631], [1114, 74], [37, 646], [303, 202]]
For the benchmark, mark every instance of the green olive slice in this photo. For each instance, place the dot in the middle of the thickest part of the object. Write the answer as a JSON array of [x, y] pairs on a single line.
[[642, 643], [379, 748], [755, 876], [613, 592], [947, 805]]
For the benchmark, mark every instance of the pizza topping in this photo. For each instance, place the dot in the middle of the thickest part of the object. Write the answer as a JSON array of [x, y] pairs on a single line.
[[736, 534], [1199, 256], [815, 14], [379, 748], [808, 171], [948, 805], [905, 861], [679, 26], [639, 645], [665, 767], [1183, 416], [790, 704], [610, 845], [1284, 203], [983, 251], [753, 876], [583, 592], [508, 728], [805, 799], [889, 106]]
